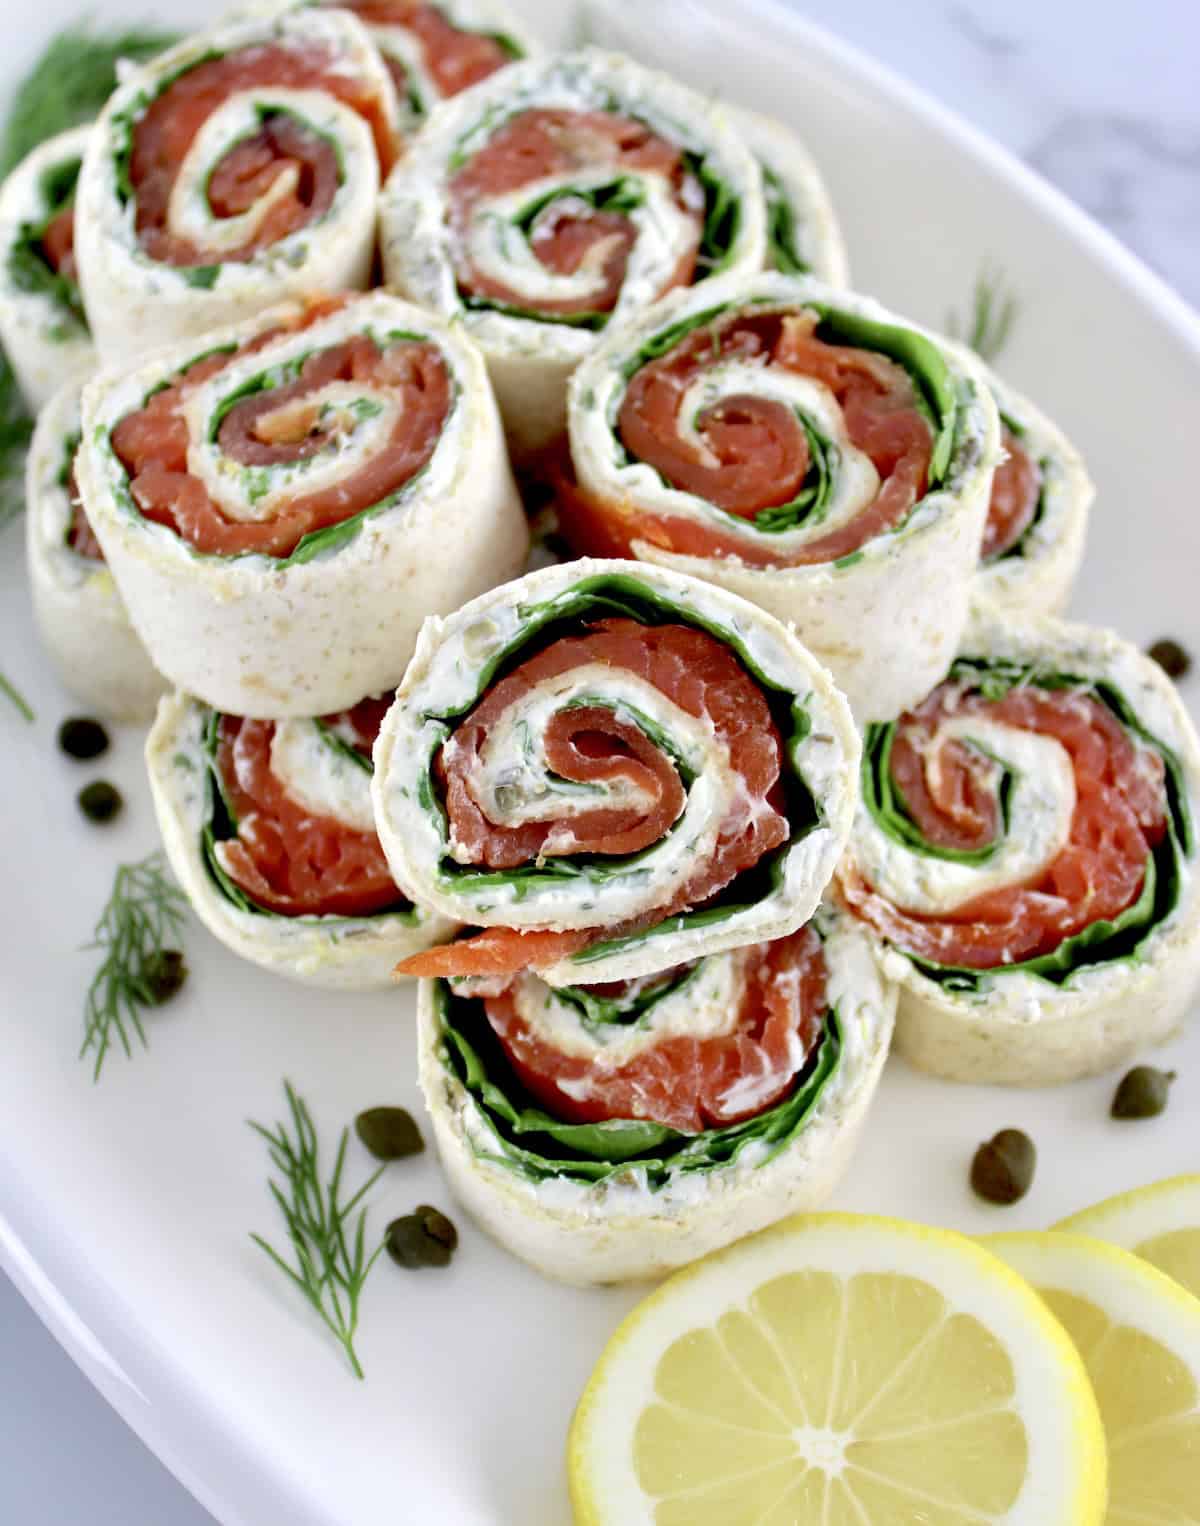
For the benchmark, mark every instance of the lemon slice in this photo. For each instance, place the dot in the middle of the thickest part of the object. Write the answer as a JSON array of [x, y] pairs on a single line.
[[1139, 1335], [1160, 1223], [842, 1371]]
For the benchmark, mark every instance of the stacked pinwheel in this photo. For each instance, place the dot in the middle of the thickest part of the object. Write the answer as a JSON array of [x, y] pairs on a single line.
[[781, 744]]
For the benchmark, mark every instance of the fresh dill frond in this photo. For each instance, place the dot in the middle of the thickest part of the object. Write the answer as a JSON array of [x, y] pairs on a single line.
[[331, 1260], [143, 916], [13, 694], [994, 309], [70, 83]]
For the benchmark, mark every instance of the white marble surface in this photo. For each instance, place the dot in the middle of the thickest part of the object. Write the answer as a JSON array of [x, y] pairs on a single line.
[[1101, 100]]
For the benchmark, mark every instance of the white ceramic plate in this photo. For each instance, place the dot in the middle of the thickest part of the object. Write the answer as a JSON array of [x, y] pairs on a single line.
[[125, 1207]]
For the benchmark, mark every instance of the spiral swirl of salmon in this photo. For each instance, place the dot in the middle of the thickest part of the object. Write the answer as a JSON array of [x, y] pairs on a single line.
[[268, 828], [612, 1131], [43, 327], [799, 446], [237, 169], [1023, 850], [559, 197], [603, 768], [274, 499], [433, 51]]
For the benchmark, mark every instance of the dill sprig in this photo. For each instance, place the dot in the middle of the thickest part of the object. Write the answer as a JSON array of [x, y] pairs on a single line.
[[331, 1259], [144, 913], [11, 692], [70, 83], [993, 313]]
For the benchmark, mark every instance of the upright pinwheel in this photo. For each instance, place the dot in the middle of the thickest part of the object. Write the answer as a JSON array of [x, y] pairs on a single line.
[[283, 502], [80, 614], [612, 1133], [236, 170], [612, 769], [268, 828], [804, 448], [43, 326], [1025, 856], [561, 196]]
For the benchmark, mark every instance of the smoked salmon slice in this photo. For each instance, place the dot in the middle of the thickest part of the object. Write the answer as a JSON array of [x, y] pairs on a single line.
[[1119, 817], [454, 57], [163, 135], [1016, 488], [544, 142], [747, 453], [686, 1083], [283, 856], [590, 742], [282, 424]]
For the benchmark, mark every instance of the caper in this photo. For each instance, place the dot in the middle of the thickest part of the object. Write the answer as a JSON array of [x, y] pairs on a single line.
[[1002, 1171], [425, 1237], [390, 1133], [100, 801], [81, 737], [1172, 658], [165, 972], [1142, 1093]]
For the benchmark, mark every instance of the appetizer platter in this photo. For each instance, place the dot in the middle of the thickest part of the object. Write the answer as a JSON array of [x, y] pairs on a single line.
[[567, 706]]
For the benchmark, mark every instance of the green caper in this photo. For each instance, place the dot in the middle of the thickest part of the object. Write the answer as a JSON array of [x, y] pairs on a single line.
[[81, 737], [164, 974], [1142, 1093], [100, 801], [1173, 659], [1002, 1171], [425, 1237], [390, 1133]]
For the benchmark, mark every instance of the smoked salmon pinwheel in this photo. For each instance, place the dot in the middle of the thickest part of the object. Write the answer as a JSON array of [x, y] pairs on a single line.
[[803, 448], [80, 614], [1024, 854], [560, 197], [43, 326], [268, 828], [284, 501], [1037, 514], [610, 1133], [611, 770], [238, 169], [432, 51], [803, 237]]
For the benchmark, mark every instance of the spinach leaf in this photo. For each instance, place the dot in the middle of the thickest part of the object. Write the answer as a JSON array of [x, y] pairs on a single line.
[[782, 232], [29, 267], [538, 1147]]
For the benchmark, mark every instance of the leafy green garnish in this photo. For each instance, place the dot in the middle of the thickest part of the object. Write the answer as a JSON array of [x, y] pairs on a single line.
[[70, 83], [16, 698], [810, 503], [28, 267], [993, 312], [782, 232], [722, 217], [539, 1147], [331, 1263], [143, 915]]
